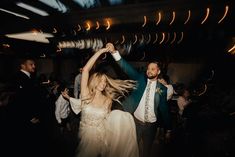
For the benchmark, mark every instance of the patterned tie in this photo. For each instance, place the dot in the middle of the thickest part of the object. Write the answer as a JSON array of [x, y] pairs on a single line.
[[147, 101]]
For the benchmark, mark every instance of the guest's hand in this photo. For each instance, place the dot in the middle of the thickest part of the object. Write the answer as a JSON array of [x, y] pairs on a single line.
[[65, 93], [34, 120], [110, 47], [167, 137]]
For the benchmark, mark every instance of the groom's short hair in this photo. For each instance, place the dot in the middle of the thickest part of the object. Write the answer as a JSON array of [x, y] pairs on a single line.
[[159, 64]]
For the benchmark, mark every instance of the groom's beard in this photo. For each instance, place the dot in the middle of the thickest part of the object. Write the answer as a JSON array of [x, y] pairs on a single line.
[[150, 76]]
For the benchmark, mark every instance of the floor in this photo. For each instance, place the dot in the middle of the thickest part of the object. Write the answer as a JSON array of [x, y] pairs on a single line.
[[199, 138], [185, 143]]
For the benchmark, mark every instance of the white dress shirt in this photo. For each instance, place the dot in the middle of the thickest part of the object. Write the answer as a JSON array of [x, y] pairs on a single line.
[[116, 55], [62, 109], [139, 112], [26, 72], [77, 85]]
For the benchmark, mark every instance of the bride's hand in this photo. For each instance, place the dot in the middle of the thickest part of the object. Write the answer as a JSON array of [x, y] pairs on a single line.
[[103, 50], [110, 47]]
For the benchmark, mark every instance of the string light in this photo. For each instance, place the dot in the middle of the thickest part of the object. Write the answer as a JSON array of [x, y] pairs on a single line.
[[225, 13], [181, 38], [173, 18], [145, 21], [189, 15], [163, 37], [97, 25], [159, 18], [123, 39], [174, 37], [155, 39], [108, 24], [136, 38], [207, 15]]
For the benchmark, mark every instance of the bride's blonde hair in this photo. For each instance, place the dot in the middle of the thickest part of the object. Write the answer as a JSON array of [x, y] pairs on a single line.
[[115, 88]]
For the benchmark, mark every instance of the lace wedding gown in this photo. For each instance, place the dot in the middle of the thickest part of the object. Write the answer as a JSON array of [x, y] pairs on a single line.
[[104, 133]]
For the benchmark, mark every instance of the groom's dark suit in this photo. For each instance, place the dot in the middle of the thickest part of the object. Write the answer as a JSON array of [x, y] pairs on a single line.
[[131, 103]]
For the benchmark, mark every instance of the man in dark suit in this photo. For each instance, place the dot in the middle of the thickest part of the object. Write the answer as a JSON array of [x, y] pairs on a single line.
[[25, 111], [148, 103], [27, 92]]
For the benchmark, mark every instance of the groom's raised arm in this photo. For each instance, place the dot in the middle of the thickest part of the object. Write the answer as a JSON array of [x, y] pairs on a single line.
[[126, 67]]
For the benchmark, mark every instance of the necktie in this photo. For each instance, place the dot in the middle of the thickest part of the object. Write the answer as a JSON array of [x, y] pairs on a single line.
[[147, 101]]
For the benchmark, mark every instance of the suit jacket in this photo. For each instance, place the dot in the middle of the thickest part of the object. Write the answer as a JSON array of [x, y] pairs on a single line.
[[131, 103], [26, 103]]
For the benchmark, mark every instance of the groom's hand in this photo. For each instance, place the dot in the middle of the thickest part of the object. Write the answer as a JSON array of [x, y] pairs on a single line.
[[110, 47]]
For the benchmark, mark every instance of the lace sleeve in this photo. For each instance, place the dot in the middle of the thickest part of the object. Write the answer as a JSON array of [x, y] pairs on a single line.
[[76, 105]]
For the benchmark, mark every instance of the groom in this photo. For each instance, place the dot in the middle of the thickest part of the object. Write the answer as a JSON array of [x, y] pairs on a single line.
[[148, 103]]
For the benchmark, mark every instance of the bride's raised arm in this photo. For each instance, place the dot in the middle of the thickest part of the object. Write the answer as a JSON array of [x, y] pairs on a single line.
[[86, 69]]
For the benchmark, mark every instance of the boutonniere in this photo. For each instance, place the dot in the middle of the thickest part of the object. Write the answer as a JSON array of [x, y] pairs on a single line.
[[159, 91]]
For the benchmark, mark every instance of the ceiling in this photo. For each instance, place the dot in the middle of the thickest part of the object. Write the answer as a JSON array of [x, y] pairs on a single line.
[[141, 29]]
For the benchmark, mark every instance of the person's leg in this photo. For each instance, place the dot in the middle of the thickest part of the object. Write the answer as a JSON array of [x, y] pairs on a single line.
[[148, 138], [139, 133]]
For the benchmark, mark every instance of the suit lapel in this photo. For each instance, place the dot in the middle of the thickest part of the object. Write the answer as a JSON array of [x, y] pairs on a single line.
[[156, 96]]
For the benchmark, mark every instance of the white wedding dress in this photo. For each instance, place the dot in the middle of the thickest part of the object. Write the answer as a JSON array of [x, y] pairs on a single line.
[[105, 134]]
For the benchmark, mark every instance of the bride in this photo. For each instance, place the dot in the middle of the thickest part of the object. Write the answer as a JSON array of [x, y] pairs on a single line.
[[103, 133]]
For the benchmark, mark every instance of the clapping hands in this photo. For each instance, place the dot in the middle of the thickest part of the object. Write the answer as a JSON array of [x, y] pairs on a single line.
[[65, 93]]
